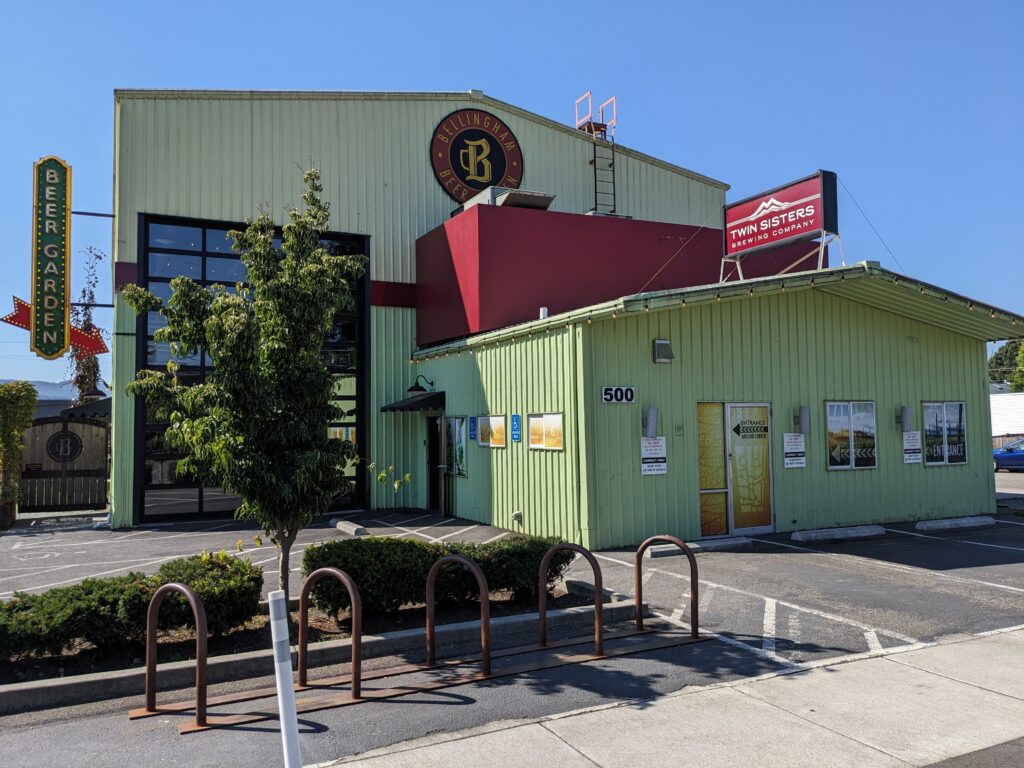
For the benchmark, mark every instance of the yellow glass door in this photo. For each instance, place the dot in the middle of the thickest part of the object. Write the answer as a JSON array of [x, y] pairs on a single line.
[[712, 475], [748, 435]]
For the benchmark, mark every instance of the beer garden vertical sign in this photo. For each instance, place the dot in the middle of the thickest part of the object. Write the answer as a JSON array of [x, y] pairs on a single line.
[[51, 258]]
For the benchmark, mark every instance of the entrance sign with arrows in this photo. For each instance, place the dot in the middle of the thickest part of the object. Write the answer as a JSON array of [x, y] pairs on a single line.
[[84, 343], [49, 316]]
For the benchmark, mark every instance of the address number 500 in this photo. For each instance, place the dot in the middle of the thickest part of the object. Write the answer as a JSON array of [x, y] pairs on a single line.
[[618, 394]]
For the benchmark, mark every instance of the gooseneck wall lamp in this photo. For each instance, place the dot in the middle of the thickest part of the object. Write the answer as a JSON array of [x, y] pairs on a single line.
[[417, 387]]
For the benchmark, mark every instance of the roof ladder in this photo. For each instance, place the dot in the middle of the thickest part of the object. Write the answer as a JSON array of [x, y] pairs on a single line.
[[602, 134]]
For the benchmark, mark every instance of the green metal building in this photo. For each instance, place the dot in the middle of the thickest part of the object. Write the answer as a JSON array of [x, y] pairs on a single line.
[[782, 402]]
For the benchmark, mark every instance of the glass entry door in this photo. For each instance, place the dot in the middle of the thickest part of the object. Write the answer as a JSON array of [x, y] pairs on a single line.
[[734, 468]]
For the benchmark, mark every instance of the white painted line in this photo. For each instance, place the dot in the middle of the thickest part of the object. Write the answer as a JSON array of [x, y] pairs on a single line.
[[456, 533], [956, 541], [768, 631], [733, 642], [794, 606], [40, 572], [897, 566], [648, 575], [501, 535], [872, 640], [410, 531], [92, 575], [52, 545], [1015, 628], [1009, 522], [400, 520]]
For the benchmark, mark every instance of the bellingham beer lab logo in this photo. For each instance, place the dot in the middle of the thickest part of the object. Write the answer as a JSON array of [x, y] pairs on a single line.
[[472, 150]]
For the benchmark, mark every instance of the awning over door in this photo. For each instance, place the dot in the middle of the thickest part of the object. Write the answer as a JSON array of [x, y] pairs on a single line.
[[421, 401]]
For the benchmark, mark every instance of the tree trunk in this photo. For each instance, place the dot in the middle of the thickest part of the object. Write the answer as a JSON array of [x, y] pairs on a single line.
[[286, 539]]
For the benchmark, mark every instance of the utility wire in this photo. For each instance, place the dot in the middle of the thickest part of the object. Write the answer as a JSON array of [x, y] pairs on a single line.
[[672, 257], [871, 224]]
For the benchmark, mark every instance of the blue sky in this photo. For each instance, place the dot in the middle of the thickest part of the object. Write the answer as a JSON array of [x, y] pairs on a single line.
[[918, 106]]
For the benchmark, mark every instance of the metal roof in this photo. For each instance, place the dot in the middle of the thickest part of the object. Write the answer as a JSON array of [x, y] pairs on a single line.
[[867, 283]]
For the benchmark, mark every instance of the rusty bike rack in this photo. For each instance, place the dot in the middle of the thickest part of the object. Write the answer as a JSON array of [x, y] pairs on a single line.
[[357, 624], [485, 609], [335, 698], [639, 586], [151, 625], [542, 592]]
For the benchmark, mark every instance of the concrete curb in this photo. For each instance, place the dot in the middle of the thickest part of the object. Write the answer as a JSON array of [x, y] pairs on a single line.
[[78, 689], [840, 534], [951, 523], [348, 527], [730, 544]]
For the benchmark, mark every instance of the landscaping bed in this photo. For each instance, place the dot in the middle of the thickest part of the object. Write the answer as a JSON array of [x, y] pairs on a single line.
[[99, 624]]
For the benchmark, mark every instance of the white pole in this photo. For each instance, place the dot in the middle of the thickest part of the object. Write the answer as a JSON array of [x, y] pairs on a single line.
[[283, 671]]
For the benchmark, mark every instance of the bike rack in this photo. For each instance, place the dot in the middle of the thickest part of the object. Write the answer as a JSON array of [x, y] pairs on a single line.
[[357, 623], [542, 591], [151, 625], [485, 609], [639, 586]]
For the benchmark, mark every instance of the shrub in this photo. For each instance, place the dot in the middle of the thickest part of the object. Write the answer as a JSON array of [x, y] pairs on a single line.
[[392, 572], [111, 612]]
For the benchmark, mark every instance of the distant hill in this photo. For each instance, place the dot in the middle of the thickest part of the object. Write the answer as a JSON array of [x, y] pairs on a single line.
[[51, 390]]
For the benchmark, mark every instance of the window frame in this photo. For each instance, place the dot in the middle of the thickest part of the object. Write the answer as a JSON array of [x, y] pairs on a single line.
[[360, 316], [945, 434], [852, 465]]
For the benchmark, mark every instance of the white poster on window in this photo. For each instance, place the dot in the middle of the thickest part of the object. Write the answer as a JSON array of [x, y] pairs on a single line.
[[653, 456], [911, 447], [794, 450]]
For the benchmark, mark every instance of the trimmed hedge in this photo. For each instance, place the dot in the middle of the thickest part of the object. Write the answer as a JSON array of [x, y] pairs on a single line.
[[392, 572], [111, 612]]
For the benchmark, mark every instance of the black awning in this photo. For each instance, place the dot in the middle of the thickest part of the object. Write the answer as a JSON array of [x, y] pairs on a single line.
[[421, 401]]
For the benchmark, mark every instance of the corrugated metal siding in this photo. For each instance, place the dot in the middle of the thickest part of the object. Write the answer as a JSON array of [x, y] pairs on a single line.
[[788, 349], [528, 375], [1007, 413], [396, 439]]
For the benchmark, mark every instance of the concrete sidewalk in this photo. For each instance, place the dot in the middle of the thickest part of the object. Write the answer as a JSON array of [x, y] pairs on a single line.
[[912, 708]]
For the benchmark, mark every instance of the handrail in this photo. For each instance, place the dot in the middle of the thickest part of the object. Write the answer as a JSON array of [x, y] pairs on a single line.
[[542, 591], [485, 608], [639, 586], [151, 626], [357, 624]]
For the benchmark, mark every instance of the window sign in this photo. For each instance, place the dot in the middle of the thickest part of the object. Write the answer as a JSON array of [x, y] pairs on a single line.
[[545, 431], [483, 432], [455, 446], [497, 431], [851, 435], [945, 433]]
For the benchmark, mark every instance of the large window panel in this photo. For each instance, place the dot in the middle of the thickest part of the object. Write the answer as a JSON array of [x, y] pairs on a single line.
[[852, 434], [945, 433]]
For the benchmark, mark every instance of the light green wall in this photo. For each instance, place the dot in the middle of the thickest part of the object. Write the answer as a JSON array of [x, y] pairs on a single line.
[[790, 349], [525, 375]]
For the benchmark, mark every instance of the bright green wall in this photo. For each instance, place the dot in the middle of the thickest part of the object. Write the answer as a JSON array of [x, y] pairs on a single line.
[[790, 349], [524, 375]]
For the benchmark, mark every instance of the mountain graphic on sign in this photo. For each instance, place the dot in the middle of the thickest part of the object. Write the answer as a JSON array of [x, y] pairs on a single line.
[[771, 205]]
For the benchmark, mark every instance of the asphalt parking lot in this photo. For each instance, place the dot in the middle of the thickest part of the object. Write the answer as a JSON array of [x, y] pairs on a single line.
[[43, 553], [801, 604]]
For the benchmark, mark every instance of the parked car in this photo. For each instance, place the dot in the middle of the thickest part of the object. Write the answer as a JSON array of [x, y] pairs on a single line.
[[1010, 456]]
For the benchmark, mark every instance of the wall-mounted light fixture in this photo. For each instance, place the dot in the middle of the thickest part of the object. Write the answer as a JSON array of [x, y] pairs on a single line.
[[802, 420], [417, 387], [649, 422], [663, 351], [903, 418]]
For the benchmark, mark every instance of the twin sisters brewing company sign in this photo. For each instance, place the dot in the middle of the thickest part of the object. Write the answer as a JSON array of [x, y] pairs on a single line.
[[51, 249], [472, 150], [802, 209]]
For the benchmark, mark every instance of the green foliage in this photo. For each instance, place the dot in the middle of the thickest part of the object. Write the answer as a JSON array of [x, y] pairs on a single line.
[[392, 572], [1003, 363], [1017, 381], [85, 370], [111, 612], [257, 425], [17, 405]]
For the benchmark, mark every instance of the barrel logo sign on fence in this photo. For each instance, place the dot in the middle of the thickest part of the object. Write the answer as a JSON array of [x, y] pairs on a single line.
[[51, 258]]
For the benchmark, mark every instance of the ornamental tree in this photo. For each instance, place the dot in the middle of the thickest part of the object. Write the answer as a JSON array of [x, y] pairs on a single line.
[[17, 406], [257, 424]]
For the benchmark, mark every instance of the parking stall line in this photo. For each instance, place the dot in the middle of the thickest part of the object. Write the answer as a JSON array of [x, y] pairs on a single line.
[[409, 531], [812, 611], [50, 569], [768, 627], [501, 535], [753, 649], [1009, 522], [50, 545], [872, 640], [91, 576], [456, 533], [1015, 628], [956, 541], [895, 566]]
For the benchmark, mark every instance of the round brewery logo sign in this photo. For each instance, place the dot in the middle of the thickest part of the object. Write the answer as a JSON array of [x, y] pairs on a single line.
[[472, 150]]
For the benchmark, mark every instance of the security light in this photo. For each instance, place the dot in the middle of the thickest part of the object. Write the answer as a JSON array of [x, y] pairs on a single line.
[[663, 351]]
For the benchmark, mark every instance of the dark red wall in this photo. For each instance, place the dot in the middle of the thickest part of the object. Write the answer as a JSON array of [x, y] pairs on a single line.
[[492, 266]]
